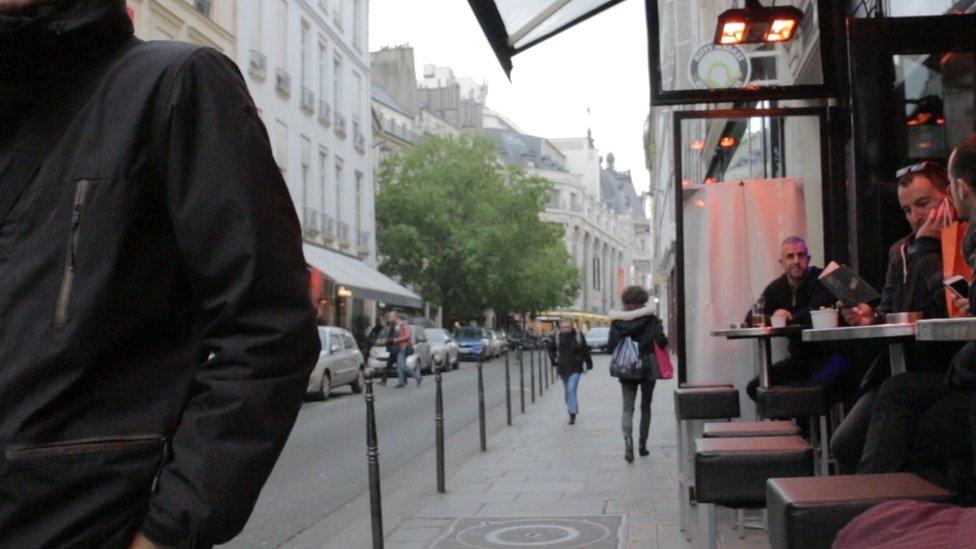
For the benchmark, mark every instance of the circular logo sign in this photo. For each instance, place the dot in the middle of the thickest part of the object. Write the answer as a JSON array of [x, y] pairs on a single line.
[[719, 67]]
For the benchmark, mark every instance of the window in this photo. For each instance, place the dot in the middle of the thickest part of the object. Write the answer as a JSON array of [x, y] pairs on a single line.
[[323, 71], [203, 6], [281, 145], [357, 24], [282, 35], [359, 93], [256, 26], [338, 188], [359, 201], [306, 161], [597, 283], [323, 168], [306, 51], [337, 84]]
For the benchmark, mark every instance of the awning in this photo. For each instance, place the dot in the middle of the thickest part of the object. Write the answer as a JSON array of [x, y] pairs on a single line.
[[362, 280], [513, 26]]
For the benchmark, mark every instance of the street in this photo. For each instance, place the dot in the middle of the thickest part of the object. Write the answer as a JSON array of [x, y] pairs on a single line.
[[323, 465]]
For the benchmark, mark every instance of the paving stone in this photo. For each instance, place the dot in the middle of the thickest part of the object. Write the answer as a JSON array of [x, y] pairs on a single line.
[[415, 534], [552, 486]]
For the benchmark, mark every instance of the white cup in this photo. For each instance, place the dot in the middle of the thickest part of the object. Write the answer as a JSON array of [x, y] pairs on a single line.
[[824, 319], [778, 321]]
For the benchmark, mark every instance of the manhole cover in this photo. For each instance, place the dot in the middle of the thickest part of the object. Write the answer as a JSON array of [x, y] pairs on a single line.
[[543, 533]]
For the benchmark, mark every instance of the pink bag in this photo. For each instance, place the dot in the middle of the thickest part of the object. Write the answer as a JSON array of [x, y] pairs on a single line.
[[663, 362]]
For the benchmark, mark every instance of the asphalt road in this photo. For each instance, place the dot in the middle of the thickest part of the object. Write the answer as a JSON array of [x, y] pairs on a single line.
[[323, 465]]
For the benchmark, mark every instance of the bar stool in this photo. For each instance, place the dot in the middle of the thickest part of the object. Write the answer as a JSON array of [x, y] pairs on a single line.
[[732, 472], [799, 401], [696, 404]]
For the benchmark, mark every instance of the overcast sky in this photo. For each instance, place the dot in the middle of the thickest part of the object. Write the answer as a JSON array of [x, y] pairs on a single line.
[[601, 64]]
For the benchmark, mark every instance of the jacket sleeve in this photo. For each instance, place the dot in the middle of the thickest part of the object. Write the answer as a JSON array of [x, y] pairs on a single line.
[[658, 334], [585, 351], [551, 348], [820, 297], [240, 245], [888, 292], [613, 338]]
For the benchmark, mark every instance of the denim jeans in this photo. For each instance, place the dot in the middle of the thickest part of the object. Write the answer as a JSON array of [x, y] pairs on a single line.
[[570, 383], [403, 371]]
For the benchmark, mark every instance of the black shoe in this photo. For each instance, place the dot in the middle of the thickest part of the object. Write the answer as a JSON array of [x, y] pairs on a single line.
[[629, 449], [572, 419], [642, 449], [398, 385]]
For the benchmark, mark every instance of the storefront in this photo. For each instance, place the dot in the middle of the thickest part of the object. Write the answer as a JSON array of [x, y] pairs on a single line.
[[349, 293]]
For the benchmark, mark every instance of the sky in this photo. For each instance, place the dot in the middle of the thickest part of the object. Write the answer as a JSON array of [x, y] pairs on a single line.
[[600, 64]]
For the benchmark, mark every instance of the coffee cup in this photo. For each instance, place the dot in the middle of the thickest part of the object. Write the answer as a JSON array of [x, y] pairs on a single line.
[[824, 319]]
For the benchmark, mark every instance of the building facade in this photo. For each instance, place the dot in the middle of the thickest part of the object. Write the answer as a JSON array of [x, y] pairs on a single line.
[[206, 22]]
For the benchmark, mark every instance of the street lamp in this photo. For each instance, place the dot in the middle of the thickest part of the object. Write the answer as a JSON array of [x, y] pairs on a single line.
[[756, 24]]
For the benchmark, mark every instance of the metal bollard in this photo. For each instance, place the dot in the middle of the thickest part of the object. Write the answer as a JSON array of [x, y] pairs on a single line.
[[439, 430], [532, 374], [481, 409], [546, 369], [373, 460], [508, 394], [541, 356], [522, 379]]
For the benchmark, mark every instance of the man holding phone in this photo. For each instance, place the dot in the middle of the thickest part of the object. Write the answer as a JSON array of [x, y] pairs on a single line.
[[914, 282]]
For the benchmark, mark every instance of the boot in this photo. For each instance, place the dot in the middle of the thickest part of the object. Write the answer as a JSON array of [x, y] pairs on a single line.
[[629, 449], [572, 419], [642, 449]]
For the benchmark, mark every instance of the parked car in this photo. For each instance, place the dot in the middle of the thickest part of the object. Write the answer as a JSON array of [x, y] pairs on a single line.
[[503, 344], [494, 344], [473, 343], [443, 349], [597, 339], [340, 363], [420, 360]]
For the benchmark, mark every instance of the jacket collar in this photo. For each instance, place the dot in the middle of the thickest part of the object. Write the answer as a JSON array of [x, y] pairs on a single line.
[[646, 310], [43, 47]]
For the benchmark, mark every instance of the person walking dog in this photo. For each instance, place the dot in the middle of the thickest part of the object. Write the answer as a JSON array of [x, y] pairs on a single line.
[[634, 333], [569, 352]]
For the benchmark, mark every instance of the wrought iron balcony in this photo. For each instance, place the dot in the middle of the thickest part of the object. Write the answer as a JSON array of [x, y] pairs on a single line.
[[325, 113], [340, 124], [283, 82], [362, 242], [343, 234], [308, 100], [310, 221], [258, 65], [327, 227]]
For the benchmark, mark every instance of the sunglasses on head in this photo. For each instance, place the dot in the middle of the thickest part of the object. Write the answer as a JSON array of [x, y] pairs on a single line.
[[918, 167]]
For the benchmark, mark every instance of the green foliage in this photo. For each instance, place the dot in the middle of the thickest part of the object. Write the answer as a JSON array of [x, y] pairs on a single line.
[[465, 230]]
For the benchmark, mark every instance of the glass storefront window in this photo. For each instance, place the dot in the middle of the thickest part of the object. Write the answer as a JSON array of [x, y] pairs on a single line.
[[939, 101]]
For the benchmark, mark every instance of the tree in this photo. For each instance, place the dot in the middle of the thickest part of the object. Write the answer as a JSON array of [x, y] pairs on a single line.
[[465, 230]]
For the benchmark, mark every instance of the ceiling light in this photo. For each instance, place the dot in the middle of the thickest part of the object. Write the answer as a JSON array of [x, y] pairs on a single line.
[[697, 145], [726, 142]]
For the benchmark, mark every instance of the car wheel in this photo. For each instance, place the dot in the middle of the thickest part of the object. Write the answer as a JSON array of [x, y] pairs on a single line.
[[357, 385], [325, 391]]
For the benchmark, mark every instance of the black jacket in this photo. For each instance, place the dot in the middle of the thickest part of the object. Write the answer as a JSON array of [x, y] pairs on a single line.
[[157, 334], [810, 296], [914, 278], [645, 328], [570, 353], [962, 373]]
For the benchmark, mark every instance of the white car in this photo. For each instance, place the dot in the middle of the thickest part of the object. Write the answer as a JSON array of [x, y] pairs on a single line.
[[340, 363], [420, 360], [443, 349]]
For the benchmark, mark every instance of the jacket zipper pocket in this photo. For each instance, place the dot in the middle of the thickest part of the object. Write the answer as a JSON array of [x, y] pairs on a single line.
[[84, 446], [71, 257]]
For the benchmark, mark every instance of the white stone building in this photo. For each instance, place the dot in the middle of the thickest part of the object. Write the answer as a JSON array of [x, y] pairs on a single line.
[[307, 66]]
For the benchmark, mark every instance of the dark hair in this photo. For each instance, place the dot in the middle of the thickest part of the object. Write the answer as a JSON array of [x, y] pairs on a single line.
[[933, 171], [963, 165], [634, 295]]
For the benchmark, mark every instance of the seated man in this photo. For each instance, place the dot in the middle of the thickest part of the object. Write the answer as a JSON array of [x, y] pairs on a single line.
[[792, 297], [921, 420], [913, 283]]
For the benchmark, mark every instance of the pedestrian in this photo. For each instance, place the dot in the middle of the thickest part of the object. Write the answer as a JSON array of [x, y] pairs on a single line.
[[388, 337], [404, 350], [638, 322], [158, 335], [570, 355]]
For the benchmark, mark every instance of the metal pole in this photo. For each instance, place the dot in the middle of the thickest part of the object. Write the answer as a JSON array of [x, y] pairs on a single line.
[[481, 409], [439, 430], [522, 379], [532, 374], [373, 460], [540, 373], [508, 394], [546, 369]]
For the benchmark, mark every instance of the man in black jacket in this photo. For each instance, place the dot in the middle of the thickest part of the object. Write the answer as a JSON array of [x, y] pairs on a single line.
[[157, 334], [921, 421], [913, 283], [791, 297]]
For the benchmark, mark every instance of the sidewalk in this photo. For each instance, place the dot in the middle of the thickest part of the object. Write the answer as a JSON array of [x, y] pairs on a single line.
[[543, 483]]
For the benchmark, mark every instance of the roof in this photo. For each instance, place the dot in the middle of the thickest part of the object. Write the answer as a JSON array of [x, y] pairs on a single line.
[[617, 193], [518, 149], [382, 96]]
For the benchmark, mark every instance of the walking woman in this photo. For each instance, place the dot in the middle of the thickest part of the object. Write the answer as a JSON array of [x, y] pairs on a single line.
[[639, 323], [404, 349], [569, 352]]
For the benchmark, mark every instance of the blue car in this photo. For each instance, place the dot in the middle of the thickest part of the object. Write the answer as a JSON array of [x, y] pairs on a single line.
[[473, 343]]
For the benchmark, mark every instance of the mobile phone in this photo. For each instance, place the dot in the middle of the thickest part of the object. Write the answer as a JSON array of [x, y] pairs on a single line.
[[958, 285]]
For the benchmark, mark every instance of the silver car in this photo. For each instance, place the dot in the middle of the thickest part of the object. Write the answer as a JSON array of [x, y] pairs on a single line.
[[443, 349], [597, 338], [340, 363], [420, 360]]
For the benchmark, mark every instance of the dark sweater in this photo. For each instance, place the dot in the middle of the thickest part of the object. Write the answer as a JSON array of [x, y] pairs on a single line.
[[643, 327], [570, 353]]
